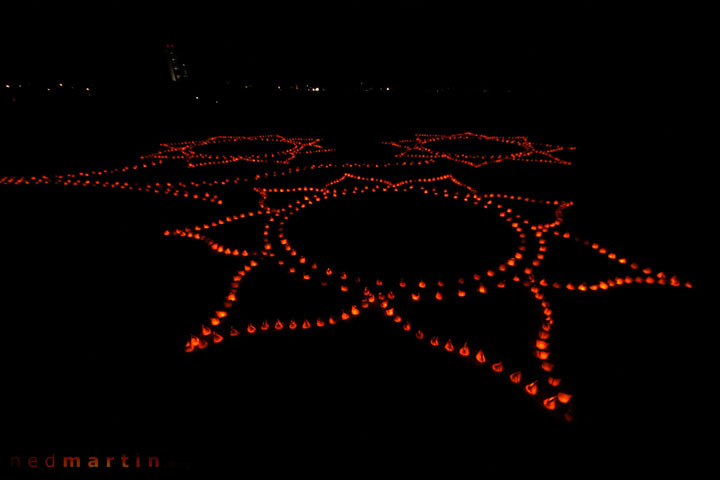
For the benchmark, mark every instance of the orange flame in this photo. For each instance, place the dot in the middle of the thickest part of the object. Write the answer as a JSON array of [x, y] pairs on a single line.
[[464, 350], [531, 388], [563, 397], [251, 328], [497, 367], [516, 377], [434, 341], [306, 324], [480, 356], [550, 403], [449, 346], [542, 355]]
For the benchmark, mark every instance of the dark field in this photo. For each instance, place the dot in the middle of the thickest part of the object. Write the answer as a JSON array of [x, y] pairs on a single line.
[[97, 303]]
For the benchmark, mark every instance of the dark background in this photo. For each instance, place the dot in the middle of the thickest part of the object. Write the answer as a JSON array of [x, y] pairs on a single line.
[[96, 303]]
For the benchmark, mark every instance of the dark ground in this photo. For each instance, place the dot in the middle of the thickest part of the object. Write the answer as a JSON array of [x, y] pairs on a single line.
[[97, 304]]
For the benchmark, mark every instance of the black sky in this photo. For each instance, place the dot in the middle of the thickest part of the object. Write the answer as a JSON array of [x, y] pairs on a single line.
[[562, 44]]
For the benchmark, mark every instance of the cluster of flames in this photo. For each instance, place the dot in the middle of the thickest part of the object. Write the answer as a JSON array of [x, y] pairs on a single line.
[[389, 296]]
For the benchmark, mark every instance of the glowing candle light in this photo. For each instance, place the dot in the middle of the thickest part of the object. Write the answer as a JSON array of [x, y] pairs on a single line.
[[531, 388], [563, 397], [549, 403]]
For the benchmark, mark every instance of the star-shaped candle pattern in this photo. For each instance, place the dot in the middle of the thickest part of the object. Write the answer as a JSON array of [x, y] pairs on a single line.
[[399, 296], [505, 149], [434, 287], [219, 150]]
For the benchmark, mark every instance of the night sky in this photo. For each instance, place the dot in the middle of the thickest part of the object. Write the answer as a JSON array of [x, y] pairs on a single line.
[[550, 45]]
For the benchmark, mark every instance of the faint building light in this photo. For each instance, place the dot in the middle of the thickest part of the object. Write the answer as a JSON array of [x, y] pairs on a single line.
[[178, 69]]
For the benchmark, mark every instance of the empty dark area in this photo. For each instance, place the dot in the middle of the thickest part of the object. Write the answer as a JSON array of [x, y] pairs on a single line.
[[395, 235], [472, 146], [242, 147]]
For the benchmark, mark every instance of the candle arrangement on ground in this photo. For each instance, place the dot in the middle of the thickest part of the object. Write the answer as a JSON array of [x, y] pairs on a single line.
[[350, 229]]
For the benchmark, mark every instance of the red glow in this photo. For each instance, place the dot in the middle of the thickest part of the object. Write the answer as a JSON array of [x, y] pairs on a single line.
[[517, 269]]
